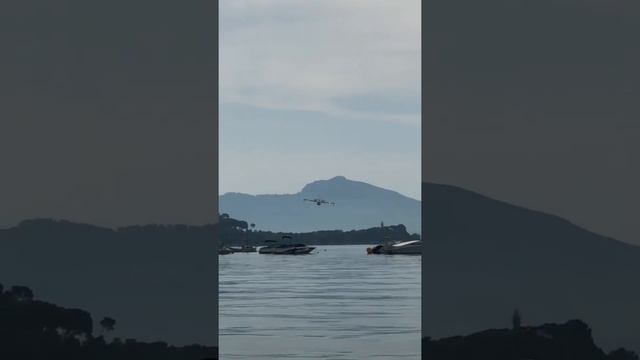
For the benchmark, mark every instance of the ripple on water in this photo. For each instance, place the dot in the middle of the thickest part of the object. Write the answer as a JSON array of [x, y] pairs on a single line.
[[335, 304]]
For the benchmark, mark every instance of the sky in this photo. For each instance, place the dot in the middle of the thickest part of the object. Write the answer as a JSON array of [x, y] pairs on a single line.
[[109, 125], [314, 89], [536, 103]]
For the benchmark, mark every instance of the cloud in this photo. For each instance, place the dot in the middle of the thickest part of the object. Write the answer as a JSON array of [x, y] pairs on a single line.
[[314, 89], [286, 149], [322, 56]]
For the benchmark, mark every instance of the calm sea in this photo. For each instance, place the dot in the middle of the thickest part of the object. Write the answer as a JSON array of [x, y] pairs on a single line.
[[338, 303]]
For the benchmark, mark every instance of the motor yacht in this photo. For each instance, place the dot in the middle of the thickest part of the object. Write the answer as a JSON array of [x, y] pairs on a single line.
[[243, 249], [246, 248]]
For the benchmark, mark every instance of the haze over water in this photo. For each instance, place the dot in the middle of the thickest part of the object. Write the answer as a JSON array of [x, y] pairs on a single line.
[[338, 303]]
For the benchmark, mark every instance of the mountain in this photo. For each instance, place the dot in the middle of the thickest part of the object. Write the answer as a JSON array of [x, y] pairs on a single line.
[[483, 258], [358, 205]]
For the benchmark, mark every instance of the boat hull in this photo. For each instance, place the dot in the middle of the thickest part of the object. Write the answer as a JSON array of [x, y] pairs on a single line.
[[249, 249], [414, 251], [406, 248], [225, 251], [287, 250]]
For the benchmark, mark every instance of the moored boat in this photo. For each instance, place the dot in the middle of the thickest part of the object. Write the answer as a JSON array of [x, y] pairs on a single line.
[[285, 249], [225, 251], [243, 249], [412, 247]]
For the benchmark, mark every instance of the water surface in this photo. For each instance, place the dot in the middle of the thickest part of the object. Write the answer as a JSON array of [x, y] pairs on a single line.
[[337, 303]]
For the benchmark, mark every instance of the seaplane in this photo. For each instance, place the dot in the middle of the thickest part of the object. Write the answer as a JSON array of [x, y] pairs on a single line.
[[320, 202]]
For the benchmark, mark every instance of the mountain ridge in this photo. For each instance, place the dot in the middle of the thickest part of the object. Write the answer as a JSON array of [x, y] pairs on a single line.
[[305, 188], [357, 205]]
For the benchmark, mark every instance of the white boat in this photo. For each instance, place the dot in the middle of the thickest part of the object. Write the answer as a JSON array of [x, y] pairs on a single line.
[[412, 247], [243, 249]]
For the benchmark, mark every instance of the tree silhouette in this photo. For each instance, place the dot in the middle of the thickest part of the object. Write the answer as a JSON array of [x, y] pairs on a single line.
[[244, 225], [108, 324], [623, 354], [516, 320], [22, 293], [571, 340], [252, 226]]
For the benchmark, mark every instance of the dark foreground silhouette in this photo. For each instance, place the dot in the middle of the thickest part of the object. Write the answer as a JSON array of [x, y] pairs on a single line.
[[569, 341], [33, 329], [143, 276], [481, 255]]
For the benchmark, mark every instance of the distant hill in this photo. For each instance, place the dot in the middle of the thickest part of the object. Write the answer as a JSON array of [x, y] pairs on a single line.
[[483, 258], [358, 205], [569, 341]]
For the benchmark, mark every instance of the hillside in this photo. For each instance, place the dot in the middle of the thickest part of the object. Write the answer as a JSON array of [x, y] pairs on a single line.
[[358, 205], [483, 256], [31, 329], [234, 232], [156, 280], [569, 341]]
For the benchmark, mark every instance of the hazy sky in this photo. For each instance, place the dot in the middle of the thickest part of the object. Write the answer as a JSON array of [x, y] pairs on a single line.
[[536, 103], [314, 89], [107, 111]]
